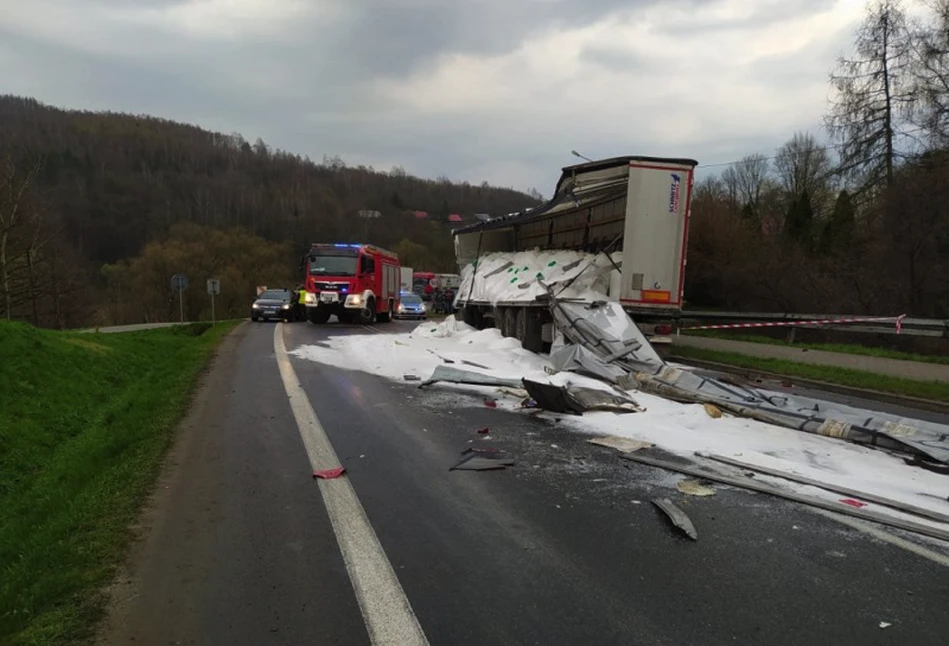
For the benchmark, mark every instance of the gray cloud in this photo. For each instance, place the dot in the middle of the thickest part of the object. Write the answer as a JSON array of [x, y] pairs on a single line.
[[308, 81]]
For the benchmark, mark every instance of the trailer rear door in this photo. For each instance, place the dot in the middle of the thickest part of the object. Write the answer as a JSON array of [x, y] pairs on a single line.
[[654, 240]]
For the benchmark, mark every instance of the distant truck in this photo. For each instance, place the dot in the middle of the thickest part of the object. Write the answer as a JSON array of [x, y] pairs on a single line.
[[421, 280], [447, 281], [354, 282], [405, 279], [638, 206]]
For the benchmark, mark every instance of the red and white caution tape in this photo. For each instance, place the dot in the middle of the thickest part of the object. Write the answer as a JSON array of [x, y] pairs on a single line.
[[897, 320]]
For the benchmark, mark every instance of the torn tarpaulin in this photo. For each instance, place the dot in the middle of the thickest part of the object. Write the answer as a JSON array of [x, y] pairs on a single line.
[[575, 358], [454, 375], [576, 400]]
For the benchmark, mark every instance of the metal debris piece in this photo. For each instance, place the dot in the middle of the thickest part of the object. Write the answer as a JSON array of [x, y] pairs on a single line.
[[898, 505], [329, 474], [677, 516], [454, 375], [621, 444], [693, 488], [575, 400], [445, 359], [483, 459], [885, 624], [476, 365], [820, 503], [411, 377]]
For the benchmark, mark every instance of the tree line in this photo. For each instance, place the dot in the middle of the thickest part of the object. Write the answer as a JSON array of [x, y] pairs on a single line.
[[857, 225], [88, 200]]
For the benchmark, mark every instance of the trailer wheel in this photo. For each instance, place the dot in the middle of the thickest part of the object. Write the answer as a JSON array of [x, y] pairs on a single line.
[[527, 328], [508, 323], [367, 315], [318, 316], [473, 316]]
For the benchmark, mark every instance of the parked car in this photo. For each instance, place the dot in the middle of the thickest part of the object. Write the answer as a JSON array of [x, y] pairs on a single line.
[[411, 306], [276, 304]]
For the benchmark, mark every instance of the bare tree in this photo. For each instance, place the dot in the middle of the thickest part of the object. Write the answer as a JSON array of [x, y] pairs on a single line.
[[745, 182], [804, 167], [873, 91], [931, 50], [14, 184]]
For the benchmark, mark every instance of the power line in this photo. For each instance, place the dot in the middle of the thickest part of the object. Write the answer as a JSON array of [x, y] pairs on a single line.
[[796, 153]]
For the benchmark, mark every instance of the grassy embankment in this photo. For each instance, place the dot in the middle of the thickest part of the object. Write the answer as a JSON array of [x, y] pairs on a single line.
[[846, 348], [933, 390], [84, 422]]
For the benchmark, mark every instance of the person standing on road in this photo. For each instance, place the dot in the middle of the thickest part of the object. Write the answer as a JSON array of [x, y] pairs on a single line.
[[300, 305]]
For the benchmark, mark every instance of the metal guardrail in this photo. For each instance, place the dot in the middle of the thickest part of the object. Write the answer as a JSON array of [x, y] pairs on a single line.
[[937, 328]]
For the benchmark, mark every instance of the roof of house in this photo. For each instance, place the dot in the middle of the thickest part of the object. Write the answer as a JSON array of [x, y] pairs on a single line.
[[421, 215], [454, 217]]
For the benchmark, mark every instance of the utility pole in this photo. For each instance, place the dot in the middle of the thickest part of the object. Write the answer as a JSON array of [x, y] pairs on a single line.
[[214, 288]]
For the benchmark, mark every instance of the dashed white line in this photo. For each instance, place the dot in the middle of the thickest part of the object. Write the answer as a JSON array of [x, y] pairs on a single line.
[[386, 610]]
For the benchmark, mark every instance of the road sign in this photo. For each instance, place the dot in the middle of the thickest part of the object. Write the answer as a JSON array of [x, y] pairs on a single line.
[[179, 282], [214, 286]]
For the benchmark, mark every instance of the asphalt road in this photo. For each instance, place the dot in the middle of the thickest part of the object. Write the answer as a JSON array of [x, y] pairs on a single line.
[[564, 548]]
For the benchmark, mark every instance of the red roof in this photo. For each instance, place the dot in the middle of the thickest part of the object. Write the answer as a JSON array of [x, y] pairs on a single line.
[[454, 217], [421, 215]]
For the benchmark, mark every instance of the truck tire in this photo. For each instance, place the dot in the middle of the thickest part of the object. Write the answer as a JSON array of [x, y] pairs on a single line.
[[367, 315], [508, 322], [528, 329], [386, 317], [318, 316]]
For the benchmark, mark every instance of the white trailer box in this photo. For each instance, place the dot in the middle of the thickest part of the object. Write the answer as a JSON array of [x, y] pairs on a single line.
[[405, 279]]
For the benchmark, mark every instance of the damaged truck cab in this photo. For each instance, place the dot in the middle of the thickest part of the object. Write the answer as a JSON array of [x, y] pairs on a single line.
[[354, 282]]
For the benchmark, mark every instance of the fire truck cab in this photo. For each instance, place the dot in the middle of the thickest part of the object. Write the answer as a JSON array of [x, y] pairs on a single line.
[[354, 282]]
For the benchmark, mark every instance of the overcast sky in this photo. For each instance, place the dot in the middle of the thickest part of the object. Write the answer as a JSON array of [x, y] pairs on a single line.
[[497, 90]]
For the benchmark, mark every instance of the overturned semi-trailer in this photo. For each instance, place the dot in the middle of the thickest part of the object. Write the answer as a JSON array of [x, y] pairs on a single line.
[[625, 217]]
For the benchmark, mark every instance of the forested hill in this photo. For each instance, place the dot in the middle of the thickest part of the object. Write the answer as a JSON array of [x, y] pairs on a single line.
[[106, 184]]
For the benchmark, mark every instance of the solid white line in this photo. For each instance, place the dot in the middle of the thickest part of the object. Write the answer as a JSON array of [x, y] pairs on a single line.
[[887, 537], [385, 608]]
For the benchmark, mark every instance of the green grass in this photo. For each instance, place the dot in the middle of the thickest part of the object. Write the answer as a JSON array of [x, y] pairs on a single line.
[[934, 390], [84, 422], [845, 348]]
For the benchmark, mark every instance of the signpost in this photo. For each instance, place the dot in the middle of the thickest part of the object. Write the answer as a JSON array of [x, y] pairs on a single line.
[[178, 283], [214, 288]]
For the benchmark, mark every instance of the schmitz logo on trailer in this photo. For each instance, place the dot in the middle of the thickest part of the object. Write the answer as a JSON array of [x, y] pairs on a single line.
[[674, 193]]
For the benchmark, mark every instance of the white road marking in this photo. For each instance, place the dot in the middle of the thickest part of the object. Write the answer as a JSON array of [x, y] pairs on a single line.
[[385, 609], [886, 536]]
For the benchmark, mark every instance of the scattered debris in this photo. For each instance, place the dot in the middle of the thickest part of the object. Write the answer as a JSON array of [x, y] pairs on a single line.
[[853, 503], [622, 444], [693, 488], [453, 375], [491, 403], [677, 516], [755, 485], [885, 624], [362, 455], [713, 411], [847, 491], [554, 446], [483, 431], [575, 400], [528, 403], [329, 474], [486, 459], [476, 365], [411, 377], [513, 392]]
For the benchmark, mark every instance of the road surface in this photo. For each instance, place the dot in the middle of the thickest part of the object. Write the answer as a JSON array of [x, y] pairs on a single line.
[[239, 547]]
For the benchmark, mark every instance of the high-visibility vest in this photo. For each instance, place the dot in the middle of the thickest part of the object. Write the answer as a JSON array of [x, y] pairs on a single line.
[[302, 297]]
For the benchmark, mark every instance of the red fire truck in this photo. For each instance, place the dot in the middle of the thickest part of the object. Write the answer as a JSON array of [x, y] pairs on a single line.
[[354, 282]]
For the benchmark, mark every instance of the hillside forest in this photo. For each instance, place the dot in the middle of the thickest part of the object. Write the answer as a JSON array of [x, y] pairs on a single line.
[[99, 210]]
